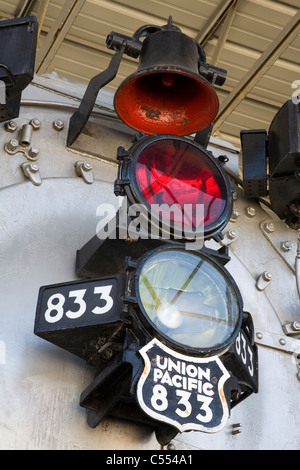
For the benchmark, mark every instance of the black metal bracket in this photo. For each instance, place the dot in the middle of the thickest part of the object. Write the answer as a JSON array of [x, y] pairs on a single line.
[[10, 75], [121, 44], [202, 137], [17, 57], [81, 116]]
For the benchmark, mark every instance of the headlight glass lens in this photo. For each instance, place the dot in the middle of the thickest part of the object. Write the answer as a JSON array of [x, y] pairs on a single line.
[[188, 299]]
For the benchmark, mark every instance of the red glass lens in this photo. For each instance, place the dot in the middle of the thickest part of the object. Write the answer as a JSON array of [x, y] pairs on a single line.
[[174, 171]]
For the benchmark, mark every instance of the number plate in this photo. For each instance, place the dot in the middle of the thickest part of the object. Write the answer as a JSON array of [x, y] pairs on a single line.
[[242, 360], [75, 304], [184, 391], [74, 315]]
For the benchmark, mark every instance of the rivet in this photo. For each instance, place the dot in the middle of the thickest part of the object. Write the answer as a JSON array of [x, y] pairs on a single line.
[[259, 335], [170, 446], [267, 276], [282, 341]]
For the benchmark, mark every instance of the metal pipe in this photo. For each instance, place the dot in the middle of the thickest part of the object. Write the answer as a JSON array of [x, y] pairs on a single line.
[[25, 135], [67, 107]]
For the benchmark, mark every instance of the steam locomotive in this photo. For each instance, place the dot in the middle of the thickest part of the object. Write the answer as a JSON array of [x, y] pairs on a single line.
[[150, 271]]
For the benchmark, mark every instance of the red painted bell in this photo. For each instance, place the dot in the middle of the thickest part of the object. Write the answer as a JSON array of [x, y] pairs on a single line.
[[167, 94]]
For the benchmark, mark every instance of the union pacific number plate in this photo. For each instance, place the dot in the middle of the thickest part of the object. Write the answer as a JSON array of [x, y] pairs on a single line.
[[184, 391]]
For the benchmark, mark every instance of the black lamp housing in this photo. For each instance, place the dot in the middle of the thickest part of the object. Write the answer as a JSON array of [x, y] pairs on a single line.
[[191, 167], [105, 319], [111, 339], [279, 151], [17, 58]]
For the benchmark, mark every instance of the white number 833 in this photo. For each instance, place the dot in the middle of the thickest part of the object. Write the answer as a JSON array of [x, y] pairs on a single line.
[[55, 304]]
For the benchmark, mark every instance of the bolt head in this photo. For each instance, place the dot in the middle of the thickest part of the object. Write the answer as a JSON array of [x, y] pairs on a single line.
[[11, 146], [234, 216], [296, 326], [34, 151], [232, 234], [35, 124], [295, 208], [270, 227], [34, 167], [87, 166], [286, 246], [250, 211], [10, 126], [13, 143], [58, 125], [107, 353]]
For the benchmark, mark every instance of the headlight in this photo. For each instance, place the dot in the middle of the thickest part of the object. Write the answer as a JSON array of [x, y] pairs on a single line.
[[189, 299], [173, 177]]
